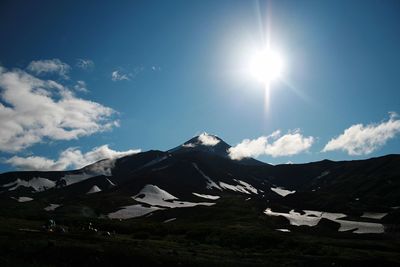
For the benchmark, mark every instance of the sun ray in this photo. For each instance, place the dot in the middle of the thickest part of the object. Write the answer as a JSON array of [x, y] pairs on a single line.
[[266, 65], [267, 95]]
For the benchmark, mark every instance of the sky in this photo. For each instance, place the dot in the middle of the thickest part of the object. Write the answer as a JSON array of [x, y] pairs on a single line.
[[85, 80]]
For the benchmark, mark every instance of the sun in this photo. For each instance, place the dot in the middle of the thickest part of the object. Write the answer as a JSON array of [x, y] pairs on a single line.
[[266, 66]]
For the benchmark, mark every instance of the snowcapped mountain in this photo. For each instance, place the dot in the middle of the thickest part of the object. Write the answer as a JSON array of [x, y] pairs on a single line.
[[200, 174], [211, 144], [204, 143]]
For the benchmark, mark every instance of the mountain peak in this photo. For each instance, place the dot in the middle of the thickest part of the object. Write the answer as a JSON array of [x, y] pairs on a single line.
[[210, 144], [204, 139], [204, 142]]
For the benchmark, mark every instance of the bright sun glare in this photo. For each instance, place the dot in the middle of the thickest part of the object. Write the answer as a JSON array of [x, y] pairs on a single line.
[[266, 66]]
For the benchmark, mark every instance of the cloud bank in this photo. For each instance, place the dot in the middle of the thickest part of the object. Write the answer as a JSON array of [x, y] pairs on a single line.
[[69, 158], [34, 110], [274, 145], [363, 140], [52, 66]]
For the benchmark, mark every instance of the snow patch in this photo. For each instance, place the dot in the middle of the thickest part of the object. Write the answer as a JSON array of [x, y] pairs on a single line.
[[283, 230], [132, 211], [309, 218], [23, 199], [155, 196], [51, 207], [236, 188], [295, 218], [312, 218], [110, 182], [188, 145], [374, 215], [243, 187], [38, 184], [361, 227], [211, 184], [76, 178], [247, 186], [94, 189], [206, 196], [282, 192]]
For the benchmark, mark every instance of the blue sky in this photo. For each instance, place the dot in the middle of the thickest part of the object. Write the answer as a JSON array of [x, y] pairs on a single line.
[[178, 72]]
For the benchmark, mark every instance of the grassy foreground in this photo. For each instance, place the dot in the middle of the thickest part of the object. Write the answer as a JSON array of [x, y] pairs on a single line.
[[189, 242]]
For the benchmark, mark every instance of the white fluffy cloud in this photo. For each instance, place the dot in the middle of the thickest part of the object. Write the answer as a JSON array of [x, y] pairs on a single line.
[[69, 158], [208, 140], [362, 140], [274, 145], [85, 64], [33, 110], [249, 148], [54, 66], [118, 75]]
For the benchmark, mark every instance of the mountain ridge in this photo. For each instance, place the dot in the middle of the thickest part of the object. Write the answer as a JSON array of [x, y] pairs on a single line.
[[191, 173]]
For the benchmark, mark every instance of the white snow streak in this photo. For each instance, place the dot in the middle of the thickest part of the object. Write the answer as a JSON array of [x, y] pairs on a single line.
[[282, 192], [206, 196], [211, 184], [94, 189]]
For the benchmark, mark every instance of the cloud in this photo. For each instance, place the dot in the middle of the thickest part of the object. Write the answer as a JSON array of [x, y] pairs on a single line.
[[363, 140], [33, 110], [118, 75], [273, 145], [248, 148], [69, 158], [52, 66], [121, 75], [85, 64], [208, 140], [289, 144], [81, 86]]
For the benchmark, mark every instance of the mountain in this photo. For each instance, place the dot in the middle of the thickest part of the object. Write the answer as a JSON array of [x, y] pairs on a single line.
[[204, 143], [200, 173], [195, 206], [210, 144]]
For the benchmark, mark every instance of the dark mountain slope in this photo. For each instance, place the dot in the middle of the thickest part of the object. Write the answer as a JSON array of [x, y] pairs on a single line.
[[200, 172]]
